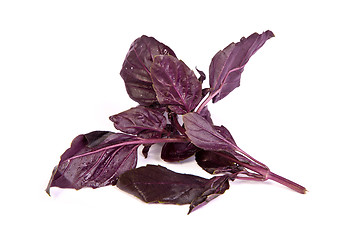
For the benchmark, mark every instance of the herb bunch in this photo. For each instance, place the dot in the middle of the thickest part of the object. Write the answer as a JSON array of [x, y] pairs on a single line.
[[167, 90]]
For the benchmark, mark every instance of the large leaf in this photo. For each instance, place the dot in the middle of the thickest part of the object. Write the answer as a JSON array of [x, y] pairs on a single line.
[[140, 119], [92, 161], [157, 184], [136, 68], [206, 136], [175, 84], [228, 64]]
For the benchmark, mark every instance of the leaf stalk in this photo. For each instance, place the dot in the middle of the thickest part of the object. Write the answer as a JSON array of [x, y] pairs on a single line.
[[267, 174]]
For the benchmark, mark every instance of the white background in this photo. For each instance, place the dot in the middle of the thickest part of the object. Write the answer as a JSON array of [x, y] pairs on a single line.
[[297, 110]]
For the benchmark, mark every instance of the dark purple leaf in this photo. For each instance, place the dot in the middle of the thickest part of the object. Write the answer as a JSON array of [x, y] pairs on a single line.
[[228, 64], [91, 161], [202, 75], [157, 184], [217, 162], [145, 150], [140, 119], [174, 152], [205, 136], [136, 68], [175, 84]]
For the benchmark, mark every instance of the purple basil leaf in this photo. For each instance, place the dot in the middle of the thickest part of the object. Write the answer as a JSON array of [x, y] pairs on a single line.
[[157, 184], [228, 64], [136, 68], [145, 150], [175, 84], [174, 152], [140, 120], [91, 161], [206, 136], [216, 162], [202, 75]]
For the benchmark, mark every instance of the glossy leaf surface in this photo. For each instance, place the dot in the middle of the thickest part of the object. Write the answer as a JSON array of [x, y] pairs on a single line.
[[157, 184], [136, 68], [175, 84], [91, 161], [206, 136], [228, 64], [140, 119]]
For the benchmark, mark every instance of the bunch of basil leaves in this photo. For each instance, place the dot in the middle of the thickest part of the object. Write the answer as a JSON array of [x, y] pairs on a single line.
[[166, 90]]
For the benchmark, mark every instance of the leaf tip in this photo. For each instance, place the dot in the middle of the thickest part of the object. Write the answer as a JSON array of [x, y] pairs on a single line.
[[47, 190], [190, 210], [270, 33]]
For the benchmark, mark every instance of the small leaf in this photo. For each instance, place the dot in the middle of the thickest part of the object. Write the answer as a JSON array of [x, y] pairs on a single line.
[[146, 149], [206, 136], [174, 152], [136, 68], [175, 84], [157, 184], [214, 162], [202, 75], [91, 161], [140, 119], [228, 64]]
